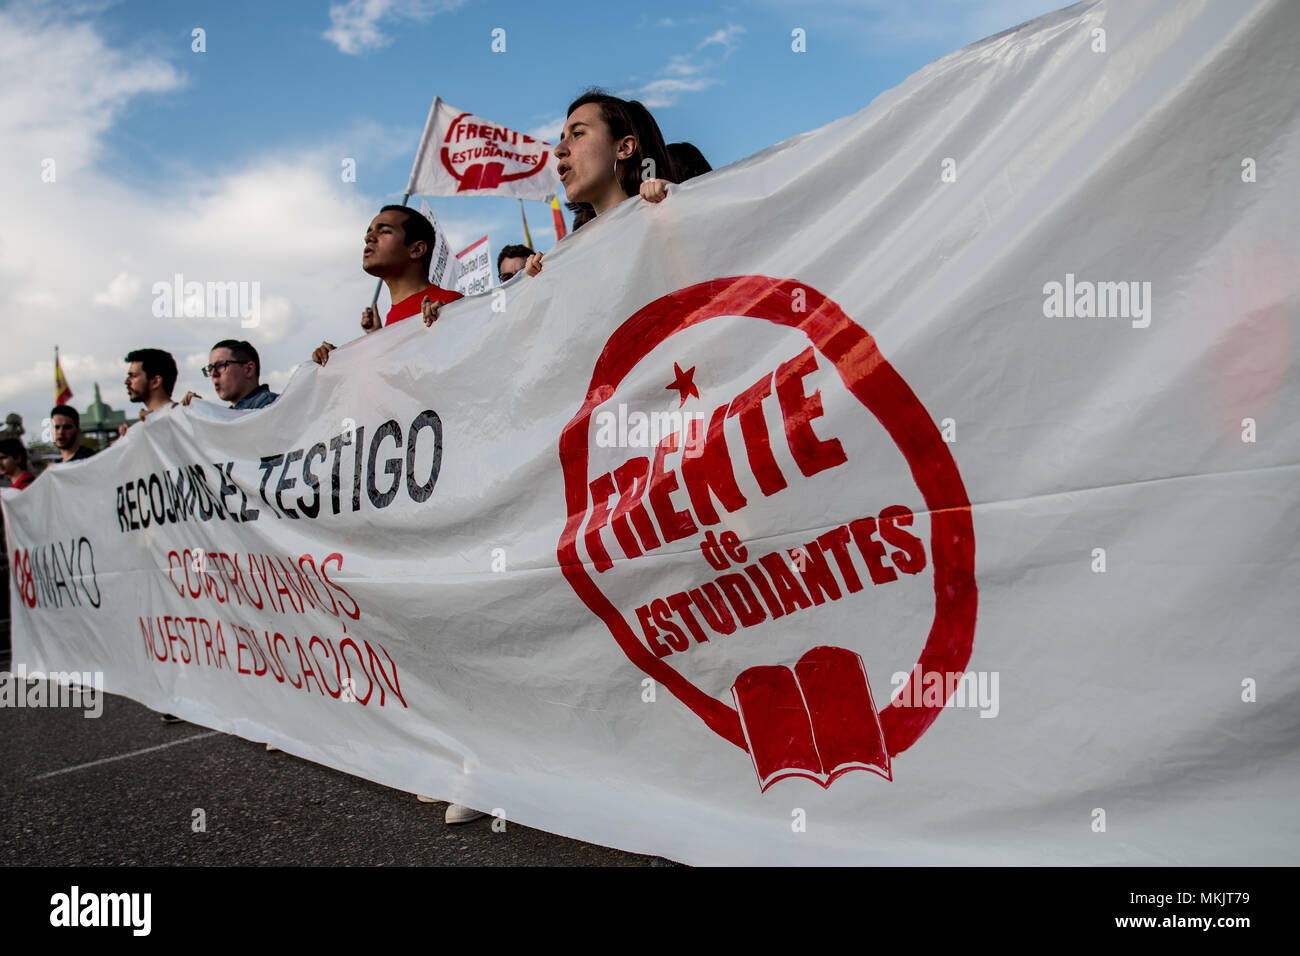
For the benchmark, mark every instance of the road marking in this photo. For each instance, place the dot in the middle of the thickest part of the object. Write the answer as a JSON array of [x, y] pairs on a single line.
[[133, 753]]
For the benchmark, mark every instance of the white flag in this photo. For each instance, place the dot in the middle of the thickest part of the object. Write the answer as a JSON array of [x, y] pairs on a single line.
[[462, 154], [941, 507], [443, 270]]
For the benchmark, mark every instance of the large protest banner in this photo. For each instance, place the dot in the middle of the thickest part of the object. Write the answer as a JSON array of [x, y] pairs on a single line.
[[954, 443]]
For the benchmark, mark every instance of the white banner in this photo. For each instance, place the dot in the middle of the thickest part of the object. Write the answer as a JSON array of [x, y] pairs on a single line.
[[966, 458], [474, 268], [461, 154]]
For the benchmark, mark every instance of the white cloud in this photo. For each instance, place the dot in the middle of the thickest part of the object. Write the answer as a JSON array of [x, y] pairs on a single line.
[[40, 299], [276, 321], [28, 380], [686, 72], [548, 131], [284, 220], [355, 24], [278, 378], [681, 65], [83, 87], [727, 38], [121, 291], [82, 369], [664, 92], [461, 232]]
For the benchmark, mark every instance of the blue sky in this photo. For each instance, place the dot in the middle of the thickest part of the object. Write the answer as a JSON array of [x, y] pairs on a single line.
[[724, 77], [224, 165]]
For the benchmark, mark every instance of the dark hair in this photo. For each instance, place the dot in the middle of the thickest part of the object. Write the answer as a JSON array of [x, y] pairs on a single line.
[[14, 449], [631, 118], [583, 213], [512, 252], [156, 362], [417, 229], [241, 351], [688, 162], [68, 412]]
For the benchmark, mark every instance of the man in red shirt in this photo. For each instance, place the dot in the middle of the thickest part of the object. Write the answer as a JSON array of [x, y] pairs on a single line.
[[399, 250]]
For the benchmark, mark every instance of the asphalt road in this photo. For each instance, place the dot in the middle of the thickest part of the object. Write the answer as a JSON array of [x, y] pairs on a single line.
[[79, 792]]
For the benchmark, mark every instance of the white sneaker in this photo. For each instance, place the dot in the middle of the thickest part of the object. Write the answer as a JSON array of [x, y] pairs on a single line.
[[423, 799], [458, 814], [272, 747]]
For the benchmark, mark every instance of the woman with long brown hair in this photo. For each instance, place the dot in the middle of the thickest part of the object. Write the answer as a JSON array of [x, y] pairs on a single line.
[[608, 148]]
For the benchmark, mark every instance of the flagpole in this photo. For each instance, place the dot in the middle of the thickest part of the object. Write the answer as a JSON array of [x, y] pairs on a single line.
[[528, 239], [429, 123]]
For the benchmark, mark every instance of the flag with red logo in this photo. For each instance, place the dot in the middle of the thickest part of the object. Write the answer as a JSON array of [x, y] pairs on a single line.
[[461, 154], [444, 265]]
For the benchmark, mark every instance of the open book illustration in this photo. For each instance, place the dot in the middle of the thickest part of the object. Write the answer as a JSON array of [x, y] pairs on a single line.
[[816, 720]]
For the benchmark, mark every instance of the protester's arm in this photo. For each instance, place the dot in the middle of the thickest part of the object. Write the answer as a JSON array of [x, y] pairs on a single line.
[[322, 354], [190, 396], [370, 319], [534, 263], [429, 310]]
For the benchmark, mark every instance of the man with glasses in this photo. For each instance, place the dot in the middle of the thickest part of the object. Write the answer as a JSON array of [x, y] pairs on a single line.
[[235, 369], [510, 260]]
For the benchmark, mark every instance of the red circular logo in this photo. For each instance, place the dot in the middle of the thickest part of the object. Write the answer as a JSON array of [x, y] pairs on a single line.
[[482, 155], [880, 390]]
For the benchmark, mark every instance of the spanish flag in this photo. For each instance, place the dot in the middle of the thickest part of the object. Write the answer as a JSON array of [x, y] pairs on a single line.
[[560, 231], [62, 393]]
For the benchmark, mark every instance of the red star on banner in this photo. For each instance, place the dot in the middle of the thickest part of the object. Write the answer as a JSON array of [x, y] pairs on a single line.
[[684, 383]]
